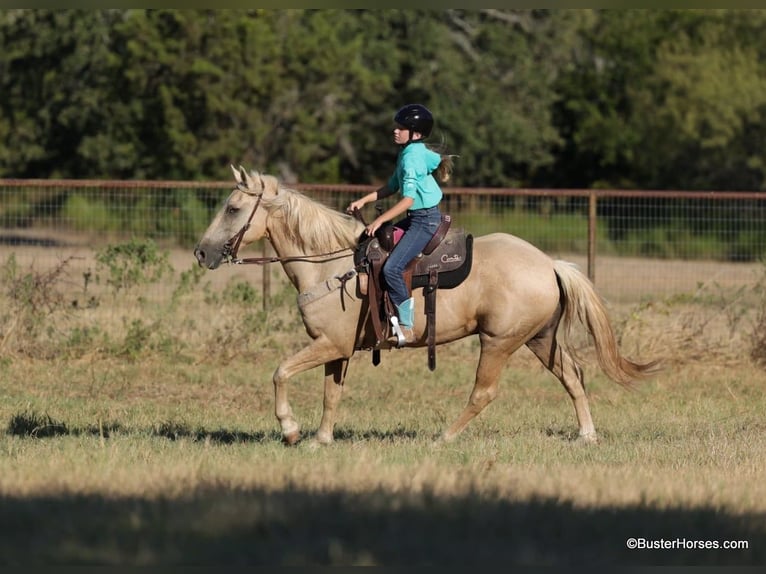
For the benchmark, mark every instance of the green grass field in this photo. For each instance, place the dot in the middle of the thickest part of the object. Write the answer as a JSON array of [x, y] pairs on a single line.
[[141, 431]]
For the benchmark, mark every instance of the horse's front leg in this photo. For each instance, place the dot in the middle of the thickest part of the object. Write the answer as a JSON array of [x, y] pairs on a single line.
[[320, 351]]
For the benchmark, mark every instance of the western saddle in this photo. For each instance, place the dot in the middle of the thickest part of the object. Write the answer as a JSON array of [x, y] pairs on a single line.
[[444, 263]]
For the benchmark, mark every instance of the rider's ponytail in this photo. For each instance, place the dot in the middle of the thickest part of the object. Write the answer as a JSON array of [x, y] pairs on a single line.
[[444, 171]]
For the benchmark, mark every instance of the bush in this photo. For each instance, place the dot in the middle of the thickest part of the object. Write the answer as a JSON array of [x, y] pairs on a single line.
[[131, 264], [31, 297], [81, 213]]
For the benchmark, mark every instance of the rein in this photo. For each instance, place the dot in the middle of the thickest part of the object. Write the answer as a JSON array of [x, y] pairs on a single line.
[[304, 258]]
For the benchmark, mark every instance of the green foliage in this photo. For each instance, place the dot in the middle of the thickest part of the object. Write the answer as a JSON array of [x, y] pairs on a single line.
[[492, 82], [555, 233], [82, 213], [137, 262], [666, 99], [241, 292], [81, 340], [42, 315], [142, 339], [178, 214], [557, 98], [136, 340], [188, 281]]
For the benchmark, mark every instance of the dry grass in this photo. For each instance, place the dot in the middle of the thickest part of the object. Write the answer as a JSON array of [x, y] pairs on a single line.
[[172, 454]]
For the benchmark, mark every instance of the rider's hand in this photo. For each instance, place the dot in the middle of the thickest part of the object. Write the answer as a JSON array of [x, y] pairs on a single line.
[[358, 204], [374, 226]]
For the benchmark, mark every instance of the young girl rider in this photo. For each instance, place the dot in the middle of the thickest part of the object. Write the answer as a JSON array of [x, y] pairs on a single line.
[[416, 165]]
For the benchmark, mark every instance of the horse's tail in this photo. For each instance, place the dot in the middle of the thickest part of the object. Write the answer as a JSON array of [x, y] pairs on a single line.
[[582, 303]]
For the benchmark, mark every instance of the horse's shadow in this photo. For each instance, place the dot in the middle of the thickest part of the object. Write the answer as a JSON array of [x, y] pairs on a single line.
[[176, 431], [353, 435], [33, 425], [42, 426]]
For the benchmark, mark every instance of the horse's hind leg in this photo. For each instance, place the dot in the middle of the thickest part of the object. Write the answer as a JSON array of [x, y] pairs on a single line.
[[494, 356], [561, 363]]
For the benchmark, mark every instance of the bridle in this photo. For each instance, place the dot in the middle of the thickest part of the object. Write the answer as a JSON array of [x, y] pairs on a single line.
[[231, 247]]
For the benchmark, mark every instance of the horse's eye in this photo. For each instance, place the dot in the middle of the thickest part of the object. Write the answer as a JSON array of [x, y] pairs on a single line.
[[231, 210]]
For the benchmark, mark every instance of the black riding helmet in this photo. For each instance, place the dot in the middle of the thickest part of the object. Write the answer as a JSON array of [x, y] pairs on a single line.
[[415, 118]]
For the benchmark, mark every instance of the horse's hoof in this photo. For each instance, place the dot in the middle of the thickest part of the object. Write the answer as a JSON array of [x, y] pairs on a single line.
[[588, 438], [291, 439], [316, 444], [443, 439], [323, 439]]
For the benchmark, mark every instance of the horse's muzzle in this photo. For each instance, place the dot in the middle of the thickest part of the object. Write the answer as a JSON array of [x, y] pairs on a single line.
[[202, 258]]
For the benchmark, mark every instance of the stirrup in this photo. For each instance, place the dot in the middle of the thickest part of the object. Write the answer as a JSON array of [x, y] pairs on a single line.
[[401, 339]]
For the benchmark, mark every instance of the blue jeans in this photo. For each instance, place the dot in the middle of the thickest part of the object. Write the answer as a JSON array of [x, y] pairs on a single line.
[[419, 226]]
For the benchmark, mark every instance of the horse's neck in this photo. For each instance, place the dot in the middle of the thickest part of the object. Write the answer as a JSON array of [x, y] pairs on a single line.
[[302, 274]]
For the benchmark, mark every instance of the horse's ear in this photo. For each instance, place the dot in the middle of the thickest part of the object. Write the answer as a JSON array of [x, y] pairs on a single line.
[[263, 183], [245, 177], [237, 176], [248, 179]]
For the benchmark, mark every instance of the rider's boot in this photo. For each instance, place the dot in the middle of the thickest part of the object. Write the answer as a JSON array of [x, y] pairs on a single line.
[[402, 325]]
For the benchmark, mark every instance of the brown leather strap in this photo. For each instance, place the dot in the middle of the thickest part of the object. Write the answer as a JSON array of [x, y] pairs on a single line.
[[433, 280], [231, 247], [356, 212], [375, 295]]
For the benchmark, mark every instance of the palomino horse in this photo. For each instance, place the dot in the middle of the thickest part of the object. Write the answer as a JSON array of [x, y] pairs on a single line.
[[515, 295]]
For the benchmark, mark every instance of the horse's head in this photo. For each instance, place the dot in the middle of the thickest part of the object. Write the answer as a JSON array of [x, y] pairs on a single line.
[[240, 221]]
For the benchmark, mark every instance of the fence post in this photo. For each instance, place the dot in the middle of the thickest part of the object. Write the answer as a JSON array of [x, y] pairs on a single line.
[[592, 237]]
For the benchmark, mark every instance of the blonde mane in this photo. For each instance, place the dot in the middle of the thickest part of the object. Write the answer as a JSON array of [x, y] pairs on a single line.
[[313, 226]]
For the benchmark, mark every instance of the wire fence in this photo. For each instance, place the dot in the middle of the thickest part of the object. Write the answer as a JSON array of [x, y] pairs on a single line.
[[634, 244]]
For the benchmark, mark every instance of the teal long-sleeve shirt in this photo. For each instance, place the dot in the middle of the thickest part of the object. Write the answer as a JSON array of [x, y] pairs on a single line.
[[412, 175]]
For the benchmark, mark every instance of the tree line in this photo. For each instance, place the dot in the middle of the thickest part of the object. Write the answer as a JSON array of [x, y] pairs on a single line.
[[653, 99]]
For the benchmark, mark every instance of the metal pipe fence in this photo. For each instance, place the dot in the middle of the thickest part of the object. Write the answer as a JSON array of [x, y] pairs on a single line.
[[634, 243]]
